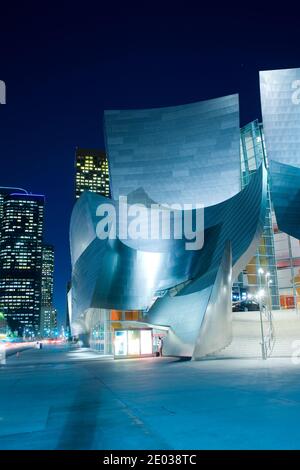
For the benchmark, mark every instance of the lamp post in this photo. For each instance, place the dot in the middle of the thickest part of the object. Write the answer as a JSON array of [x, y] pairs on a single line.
[[260, 294], [269, 289], [268, 282]]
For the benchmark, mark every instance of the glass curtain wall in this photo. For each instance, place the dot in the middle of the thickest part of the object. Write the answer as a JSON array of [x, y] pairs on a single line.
[[250, 281], [287, 250]]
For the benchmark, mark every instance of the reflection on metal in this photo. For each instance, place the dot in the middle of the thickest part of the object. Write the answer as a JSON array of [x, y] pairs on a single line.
[[285, 188], [178, 154], [118, 274], [181, 154], [199, 322], [280, 100], [216, 327]]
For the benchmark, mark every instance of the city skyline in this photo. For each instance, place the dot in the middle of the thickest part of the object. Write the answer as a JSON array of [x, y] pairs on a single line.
[[149, 232], [110, 73]]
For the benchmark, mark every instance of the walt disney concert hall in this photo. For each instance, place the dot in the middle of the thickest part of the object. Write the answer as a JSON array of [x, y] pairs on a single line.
[[129, 291]]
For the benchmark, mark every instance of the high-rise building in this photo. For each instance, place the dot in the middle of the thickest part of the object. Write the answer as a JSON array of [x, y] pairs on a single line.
[[4, 191], [21, 258], [48, 321], [47, 275], [48, 313], [91, 172]]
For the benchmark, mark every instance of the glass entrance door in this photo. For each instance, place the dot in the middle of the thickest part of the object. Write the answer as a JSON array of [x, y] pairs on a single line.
[[121, 343], [135, 342]]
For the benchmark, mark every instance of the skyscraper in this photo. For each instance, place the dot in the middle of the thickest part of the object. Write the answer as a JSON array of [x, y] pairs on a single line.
[[48, 313], [47, 275], [48, 321], [91, 172], [21, 258], [4, 190]]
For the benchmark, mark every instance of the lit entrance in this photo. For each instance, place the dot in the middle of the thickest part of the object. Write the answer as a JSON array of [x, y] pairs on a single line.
[[133, 342]]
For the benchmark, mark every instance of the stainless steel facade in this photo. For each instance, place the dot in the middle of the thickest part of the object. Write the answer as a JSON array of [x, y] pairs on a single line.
[[179, 290], [113, 274], [175, 153], [280, 100]]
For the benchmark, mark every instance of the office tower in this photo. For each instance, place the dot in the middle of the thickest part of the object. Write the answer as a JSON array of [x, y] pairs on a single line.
[[48, 321], [48, 313], [21, 259], [47, 275], [91, 172], [250, 281], [4, 191]]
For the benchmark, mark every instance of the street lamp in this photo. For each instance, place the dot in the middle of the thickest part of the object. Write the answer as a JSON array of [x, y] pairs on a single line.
[[268, 282]]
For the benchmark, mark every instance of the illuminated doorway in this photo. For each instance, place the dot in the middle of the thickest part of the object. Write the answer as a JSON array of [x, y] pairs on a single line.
[[133, 342]]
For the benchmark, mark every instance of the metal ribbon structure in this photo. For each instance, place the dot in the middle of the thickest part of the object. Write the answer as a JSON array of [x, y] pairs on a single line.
[[280, 101], [187, 292]]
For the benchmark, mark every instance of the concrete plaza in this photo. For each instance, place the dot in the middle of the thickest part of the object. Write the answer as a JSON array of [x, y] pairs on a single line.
[[62, 398]]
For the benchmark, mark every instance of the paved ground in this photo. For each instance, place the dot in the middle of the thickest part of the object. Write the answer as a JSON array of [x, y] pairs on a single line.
[[59, 398]]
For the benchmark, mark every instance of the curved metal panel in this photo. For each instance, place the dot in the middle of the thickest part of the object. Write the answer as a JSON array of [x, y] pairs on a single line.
[[285, 188], [183, 315], [216, 328], [280, 100], [181, 154], [114, 274], [200, 322], [175, 153]]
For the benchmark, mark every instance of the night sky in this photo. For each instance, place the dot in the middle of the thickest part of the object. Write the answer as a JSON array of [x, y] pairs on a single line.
[[63, 66]]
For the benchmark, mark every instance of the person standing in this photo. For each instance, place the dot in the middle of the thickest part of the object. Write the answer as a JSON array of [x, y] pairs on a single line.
[[160, 346]]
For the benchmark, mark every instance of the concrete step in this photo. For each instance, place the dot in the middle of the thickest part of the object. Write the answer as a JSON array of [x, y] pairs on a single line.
[[246, 340]]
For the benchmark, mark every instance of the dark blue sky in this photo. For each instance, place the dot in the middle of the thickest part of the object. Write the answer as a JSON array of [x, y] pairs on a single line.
[[64, 65]]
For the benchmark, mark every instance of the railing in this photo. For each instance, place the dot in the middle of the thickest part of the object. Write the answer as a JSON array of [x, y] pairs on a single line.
[[268, 332]]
